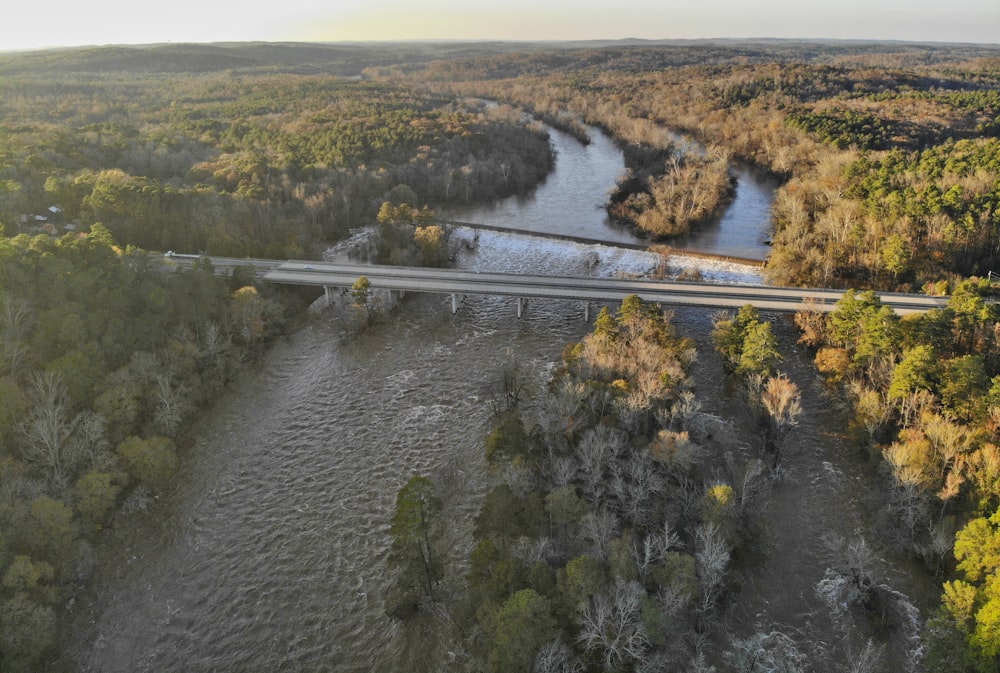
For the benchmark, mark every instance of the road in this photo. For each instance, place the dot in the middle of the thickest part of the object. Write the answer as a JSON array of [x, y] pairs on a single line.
[[459, 282]]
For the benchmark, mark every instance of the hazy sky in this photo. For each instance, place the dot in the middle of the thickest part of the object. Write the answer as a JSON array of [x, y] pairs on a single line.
[[29, 24]]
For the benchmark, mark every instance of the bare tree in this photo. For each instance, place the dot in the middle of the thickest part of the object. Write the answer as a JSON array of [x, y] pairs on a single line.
[[699, 665], [14, 323], [563, 471], [937, 551], [750, 485], [653, 547], [170, 404], [868, 660], [773, 652], [677, 414], [612, 625], [48, 428], [14, 314], [675, 451], [594, 452], [12, 355], [910, 507], [514, 385], [567, 400], [556, 657], [912, 406], [666, 539], [634, 483], [591, 472], [872, 409], [215, 343], [532, 550], [516, 476], [645, 554], [855, 561], [91, 439], [686, 500], [599, 528], [506, 170], [860, 560], [712, 561], [449, 181]]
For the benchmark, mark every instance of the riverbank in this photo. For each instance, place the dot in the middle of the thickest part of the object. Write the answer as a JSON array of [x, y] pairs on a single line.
[[269, 551]]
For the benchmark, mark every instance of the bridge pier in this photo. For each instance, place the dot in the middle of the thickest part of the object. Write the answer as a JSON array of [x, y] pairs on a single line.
[[337, 277], [328, 293], [521, 301], [586, 311]]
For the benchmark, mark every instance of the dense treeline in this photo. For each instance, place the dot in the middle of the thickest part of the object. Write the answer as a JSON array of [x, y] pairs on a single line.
[[926, 396], [105, 357], [892, 219], [869, 142], [301, 58], [246, 165]]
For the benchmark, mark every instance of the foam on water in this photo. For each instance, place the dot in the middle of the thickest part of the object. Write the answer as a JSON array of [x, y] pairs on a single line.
[[514, 253]]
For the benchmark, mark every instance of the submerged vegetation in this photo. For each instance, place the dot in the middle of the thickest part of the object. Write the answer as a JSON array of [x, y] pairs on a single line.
[[605, 537], [614, 517], [891, 181], [925, 391], [621, 520]]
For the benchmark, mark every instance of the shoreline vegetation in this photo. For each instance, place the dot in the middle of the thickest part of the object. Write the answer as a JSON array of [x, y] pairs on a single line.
[[890, 161], [108, 352], [887, 153]]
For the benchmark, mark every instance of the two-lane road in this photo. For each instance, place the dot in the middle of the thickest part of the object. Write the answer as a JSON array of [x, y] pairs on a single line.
[[454, 281], [528, 286]]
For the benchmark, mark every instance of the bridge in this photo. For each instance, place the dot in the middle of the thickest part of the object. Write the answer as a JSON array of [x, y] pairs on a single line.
[[458, 283]]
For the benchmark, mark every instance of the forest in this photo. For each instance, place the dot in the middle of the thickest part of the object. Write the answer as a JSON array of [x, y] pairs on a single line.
[[607, 535], [108, 353], [890, 166], [261, 165], [888, 159], [105, 361]]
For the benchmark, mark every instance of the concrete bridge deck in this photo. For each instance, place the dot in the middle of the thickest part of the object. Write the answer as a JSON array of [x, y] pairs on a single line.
[[457, 282]]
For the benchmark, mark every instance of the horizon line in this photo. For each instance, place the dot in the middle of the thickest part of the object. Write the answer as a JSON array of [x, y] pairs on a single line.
[[539, 41]]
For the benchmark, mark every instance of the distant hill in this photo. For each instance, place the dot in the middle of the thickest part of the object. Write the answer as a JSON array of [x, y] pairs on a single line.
[[351, 58], [346, 59]]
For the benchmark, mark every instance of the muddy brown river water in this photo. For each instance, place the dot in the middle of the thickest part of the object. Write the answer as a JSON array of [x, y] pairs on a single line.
[[269, 553]]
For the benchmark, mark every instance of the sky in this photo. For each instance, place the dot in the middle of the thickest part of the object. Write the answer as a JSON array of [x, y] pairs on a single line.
[[29, 25]]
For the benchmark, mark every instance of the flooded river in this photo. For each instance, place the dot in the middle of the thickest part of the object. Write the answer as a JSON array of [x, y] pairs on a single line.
[[571, 203], [269, 553]]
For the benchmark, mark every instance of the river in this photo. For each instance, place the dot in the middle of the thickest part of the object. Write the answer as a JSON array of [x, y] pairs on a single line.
[[269, 553], [571, 203]]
